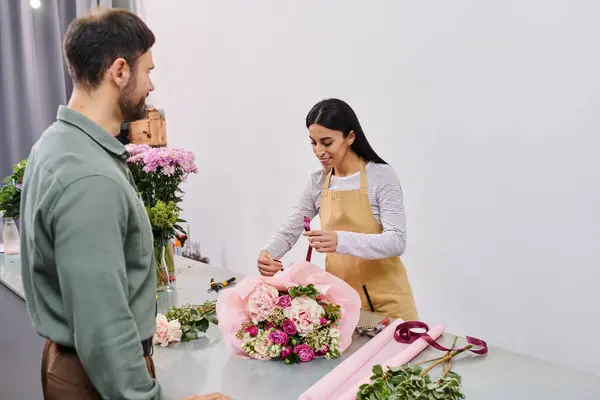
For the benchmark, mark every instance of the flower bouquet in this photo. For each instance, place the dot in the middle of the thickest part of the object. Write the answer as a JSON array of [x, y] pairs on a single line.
[[185, 323], [299, 314], [158, 174]]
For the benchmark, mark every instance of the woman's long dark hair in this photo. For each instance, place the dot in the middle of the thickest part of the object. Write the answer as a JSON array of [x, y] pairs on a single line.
[[337, 115]]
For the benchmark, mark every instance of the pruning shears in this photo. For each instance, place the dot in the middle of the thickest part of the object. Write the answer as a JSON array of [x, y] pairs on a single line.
[[216, 286], [372, 330]]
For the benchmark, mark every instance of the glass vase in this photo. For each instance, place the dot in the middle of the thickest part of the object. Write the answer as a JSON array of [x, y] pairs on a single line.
[[164, 282], [10, 236]]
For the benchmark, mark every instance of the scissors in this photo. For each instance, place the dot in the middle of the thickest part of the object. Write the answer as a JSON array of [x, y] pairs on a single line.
[[372, 330]]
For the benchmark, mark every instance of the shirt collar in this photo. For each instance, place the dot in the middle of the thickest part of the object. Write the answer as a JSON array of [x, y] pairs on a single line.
[[93, 130]]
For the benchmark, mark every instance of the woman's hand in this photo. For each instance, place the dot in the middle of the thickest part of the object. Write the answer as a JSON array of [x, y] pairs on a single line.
[[267, 265], [323, 241]]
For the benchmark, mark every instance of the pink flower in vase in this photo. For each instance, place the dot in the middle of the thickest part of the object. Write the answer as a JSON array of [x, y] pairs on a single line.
[[268, 325], [169, 170]]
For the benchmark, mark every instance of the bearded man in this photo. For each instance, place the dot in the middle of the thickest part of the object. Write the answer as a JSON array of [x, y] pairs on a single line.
[[87, 259]]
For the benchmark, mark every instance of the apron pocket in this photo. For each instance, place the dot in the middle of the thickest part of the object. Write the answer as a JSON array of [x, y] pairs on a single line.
[[369, 301], [393, 303]]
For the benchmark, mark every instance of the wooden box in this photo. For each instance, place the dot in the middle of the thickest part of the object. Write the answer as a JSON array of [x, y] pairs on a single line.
[[151, 131]]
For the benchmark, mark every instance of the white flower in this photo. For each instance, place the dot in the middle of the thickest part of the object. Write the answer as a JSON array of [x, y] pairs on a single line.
[[305, 313], [166, 331], [334, 333], [275, 351], [262, 346]]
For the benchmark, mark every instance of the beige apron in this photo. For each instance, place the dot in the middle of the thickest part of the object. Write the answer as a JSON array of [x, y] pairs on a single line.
[[382, 284]]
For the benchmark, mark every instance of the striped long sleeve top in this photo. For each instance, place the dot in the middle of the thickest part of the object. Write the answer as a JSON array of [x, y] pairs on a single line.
[[386, 198]]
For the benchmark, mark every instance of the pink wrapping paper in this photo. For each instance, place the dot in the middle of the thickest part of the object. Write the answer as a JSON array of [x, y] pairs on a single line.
[[343, 381], [231, 302]]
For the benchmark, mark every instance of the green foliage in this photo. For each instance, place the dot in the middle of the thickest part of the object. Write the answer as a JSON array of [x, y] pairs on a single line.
[[194, 319], [300, 290], [406, 383], [10, 193], [163, 218], [333, 313], [292, 359]]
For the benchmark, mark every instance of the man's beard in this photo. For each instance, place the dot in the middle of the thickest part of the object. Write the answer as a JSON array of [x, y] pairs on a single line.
[[131, 110]]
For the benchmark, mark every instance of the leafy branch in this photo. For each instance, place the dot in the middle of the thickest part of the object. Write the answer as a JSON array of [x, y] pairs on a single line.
[[412, 382], [194, 319]]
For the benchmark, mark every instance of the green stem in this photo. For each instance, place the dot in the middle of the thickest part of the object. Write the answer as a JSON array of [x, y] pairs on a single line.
[[439, 358], [431, 360], [444, 359], [448, 365]]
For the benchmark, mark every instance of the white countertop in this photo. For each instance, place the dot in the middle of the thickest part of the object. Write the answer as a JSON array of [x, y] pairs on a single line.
[[204, 366]]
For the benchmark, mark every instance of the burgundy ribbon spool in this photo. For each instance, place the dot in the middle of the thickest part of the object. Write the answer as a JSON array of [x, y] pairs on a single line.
[[404, 334]]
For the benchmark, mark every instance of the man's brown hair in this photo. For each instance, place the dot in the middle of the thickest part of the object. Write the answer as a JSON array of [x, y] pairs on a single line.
[[94, 41]]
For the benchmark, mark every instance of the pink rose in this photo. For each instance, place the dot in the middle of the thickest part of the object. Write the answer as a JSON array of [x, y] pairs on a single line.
[[278, 337], [324, 321], [304, 352], [285, 301], [289, 327], [261, 302], [285, 352], [252, 330], [306, 314], [166, 331], [323, 351], [268, 325]]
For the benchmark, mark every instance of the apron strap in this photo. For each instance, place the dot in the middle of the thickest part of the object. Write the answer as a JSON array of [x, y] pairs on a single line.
[[363, 177], [327, 180]]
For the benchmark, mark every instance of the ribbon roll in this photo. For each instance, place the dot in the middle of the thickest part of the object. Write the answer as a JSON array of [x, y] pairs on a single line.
[[307, 228], [404, 334]]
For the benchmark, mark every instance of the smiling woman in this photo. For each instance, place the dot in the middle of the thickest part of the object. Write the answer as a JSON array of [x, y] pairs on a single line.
[[330, 121], [360, 203]]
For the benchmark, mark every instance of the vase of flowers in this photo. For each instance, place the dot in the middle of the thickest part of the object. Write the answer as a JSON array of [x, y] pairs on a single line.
[[10, 192], [10, 204], [158, 174]]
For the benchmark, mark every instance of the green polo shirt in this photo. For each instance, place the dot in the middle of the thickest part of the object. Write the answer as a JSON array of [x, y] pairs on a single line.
[[87, 259]]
